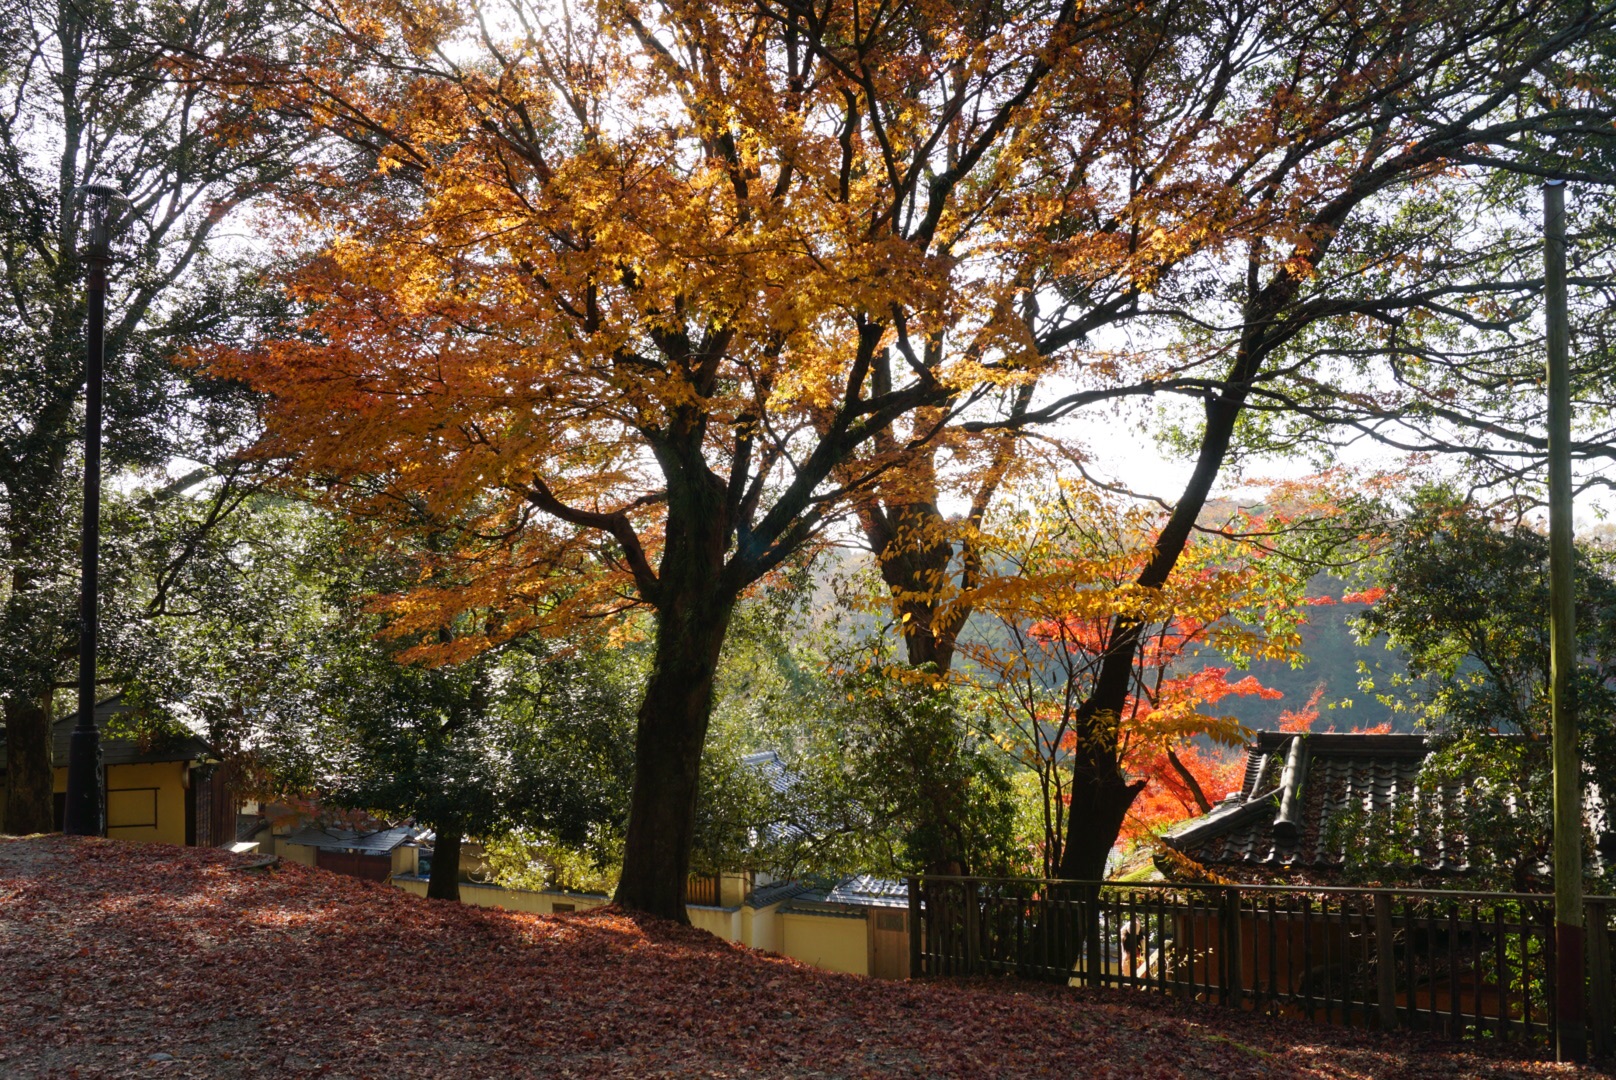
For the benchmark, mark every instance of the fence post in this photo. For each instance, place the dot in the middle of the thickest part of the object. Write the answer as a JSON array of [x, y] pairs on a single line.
[[914, 928], [1597, 922], [1385, 962], [1093, 952], [1237, 961], [973, 923]]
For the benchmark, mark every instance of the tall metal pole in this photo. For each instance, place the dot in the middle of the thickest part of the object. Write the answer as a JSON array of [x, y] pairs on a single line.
[[85, 813], [1571, 1041]]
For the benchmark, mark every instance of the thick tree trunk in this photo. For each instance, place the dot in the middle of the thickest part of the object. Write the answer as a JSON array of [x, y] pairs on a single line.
[[1100, 798], [916, 571], [667, 753], [444, 882], [1101, 795], [29, 779]]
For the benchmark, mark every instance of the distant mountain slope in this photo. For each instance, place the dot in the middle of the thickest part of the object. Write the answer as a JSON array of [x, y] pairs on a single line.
[[1333, 656]]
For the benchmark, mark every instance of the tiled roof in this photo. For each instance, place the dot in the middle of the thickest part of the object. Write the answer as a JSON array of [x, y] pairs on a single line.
[[1334, 771], [774, 893], [780, 779], [115, 751], [867, 891], [860, 891], [374, 843]]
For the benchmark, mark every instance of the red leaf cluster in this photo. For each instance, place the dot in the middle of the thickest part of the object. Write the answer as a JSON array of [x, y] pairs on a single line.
[[144, 960]]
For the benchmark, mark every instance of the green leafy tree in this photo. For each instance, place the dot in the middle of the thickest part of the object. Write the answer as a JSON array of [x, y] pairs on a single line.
[[85, 97], [1467, 599]]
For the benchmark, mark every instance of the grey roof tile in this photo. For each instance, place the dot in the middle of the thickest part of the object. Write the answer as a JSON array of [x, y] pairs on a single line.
[[371, 843], [116, 751], [864, 890], [774, 893], [1372, 772]]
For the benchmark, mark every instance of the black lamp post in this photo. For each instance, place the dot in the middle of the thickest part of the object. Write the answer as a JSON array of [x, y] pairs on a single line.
[[85, 814]]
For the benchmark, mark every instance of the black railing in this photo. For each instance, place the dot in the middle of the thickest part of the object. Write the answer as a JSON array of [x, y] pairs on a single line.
[[1467, 964]]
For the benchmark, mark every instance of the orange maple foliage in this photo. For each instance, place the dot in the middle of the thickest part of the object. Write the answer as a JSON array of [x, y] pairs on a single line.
[[624, 307], [1168, 798], [1068, 570], [1302, 720]]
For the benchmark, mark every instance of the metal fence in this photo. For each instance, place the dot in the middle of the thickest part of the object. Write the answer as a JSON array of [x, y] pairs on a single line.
[[1467, 964]]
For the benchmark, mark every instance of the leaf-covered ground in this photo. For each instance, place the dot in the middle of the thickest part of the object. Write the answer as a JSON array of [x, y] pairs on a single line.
[[145, 960]]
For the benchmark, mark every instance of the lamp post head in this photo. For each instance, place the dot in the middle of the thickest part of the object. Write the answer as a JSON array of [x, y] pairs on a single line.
[[102, 207]]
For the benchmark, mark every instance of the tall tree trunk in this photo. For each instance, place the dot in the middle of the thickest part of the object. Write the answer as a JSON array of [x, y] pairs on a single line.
[[1101, 795], [915, 571], [29, 777], [444, 882], [667, 753]]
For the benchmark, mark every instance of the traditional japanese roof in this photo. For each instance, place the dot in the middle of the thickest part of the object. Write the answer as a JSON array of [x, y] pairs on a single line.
[[120, 751], [1277, 823], [365, 843], [867, 891], [773, 893], [781, 781], [773, 770], [843, 897]]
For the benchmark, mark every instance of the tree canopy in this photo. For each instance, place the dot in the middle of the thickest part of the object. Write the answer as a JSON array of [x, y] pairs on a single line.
[[633, 302]]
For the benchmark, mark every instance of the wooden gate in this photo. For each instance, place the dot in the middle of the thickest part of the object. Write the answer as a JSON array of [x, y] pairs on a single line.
[[889, 944], [369, 867]]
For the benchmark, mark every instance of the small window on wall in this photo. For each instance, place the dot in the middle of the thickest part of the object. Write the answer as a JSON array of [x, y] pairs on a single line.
[[132, 808], [889, 920]]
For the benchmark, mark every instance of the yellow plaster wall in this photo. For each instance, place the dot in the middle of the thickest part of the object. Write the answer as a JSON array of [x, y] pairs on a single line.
[[404, 859], [720, 922], [760, 927], [539, 903], [129, 800], [826, 941], [298, 853], [732, 889]]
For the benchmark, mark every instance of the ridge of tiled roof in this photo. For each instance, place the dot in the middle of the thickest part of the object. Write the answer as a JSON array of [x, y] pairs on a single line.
[[1339, 770], [1221, 818], [773, 893]]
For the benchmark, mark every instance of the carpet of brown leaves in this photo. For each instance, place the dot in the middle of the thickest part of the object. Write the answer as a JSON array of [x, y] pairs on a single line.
[[144, 960]]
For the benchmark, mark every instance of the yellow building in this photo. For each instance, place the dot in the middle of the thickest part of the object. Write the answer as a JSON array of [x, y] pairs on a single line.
[[168, 791], [859, 926]]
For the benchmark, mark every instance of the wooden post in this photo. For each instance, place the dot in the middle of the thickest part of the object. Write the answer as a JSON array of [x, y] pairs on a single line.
[[1385, 962], [1599, 1002], [914, 928], [1570, 1042], [973, 923], [1093, 951], [1231, 917]]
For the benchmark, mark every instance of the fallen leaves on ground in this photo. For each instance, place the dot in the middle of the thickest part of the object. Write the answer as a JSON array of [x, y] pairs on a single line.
[[146, 960]]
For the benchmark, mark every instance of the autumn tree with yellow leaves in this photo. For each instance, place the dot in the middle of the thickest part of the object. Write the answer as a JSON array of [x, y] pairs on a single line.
[[628, 303], [1373, 280]]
